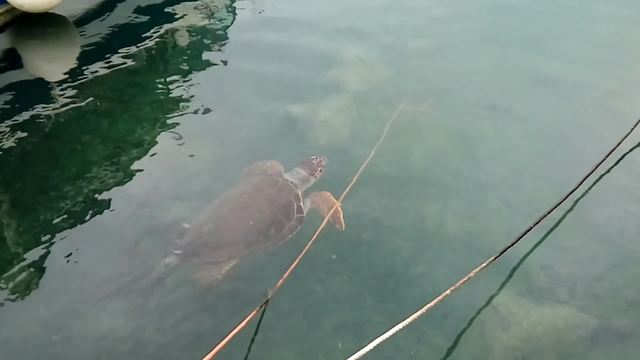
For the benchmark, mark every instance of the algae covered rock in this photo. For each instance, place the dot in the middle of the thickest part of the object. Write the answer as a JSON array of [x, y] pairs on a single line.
[[523, 329]]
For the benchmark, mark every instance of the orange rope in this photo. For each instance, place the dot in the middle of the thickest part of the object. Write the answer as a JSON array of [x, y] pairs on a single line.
[[295, 263]]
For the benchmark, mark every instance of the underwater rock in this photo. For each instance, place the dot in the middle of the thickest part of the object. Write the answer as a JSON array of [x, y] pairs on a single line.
[[356, 72], [329, 119], [524, 329]]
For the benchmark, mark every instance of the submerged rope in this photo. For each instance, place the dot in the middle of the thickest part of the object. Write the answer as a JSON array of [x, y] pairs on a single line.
[[255, 332], [377, 341], [295, 263], [544, 237]]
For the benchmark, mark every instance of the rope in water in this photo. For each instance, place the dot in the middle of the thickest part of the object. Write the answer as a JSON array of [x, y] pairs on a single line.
[[392, 331], [255, 332], [521, 261], [295, 263]]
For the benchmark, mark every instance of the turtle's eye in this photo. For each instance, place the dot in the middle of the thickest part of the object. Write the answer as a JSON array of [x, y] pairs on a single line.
[[318, 160]]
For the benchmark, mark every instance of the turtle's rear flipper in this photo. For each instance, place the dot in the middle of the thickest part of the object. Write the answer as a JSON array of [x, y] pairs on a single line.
[[323, 201], [211, 274]]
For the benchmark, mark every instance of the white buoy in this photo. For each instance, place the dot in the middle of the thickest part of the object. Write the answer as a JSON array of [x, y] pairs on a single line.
[[34, 6], [48, 44]]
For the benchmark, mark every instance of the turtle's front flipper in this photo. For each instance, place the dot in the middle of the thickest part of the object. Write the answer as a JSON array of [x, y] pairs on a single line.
[[323, 201], [211, 274]]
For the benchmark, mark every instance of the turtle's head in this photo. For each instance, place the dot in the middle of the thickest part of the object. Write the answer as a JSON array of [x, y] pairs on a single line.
[[313, 166], [308, 171]]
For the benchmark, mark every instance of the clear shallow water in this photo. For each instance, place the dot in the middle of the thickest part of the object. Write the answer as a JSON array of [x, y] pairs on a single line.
[[524, 97]]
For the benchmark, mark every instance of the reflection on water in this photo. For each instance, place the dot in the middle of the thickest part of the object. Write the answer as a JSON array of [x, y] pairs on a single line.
[[48, 44], [79, 155]]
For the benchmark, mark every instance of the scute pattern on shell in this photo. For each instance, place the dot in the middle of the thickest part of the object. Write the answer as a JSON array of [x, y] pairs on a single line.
[[260, 212]]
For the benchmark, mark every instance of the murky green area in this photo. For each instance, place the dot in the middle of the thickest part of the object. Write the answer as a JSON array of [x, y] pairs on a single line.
[[170, 100]]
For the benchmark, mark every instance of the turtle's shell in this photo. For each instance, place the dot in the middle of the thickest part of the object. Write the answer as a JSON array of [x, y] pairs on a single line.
[[262, 210]]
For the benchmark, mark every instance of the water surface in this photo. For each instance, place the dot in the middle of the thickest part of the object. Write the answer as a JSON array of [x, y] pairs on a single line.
[[169, 101]]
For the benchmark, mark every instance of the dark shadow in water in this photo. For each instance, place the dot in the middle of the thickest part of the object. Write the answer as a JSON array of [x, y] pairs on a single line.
[[458, 338], [53, 178], [97, 12], [255, 332]]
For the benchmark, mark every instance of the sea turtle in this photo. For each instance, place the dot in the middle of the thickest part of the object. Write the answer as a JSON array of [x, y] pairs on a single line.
[[263, 210]]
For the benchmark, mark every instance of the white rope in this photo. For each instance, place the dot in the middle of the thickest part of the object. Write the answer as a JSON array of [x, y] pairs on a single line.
[[389, 333]]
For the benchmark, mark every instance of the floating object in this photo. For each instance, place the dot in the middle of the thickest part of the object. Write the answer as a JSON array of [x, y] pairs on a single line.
[[33, 6], [48, 44], [11, 9]]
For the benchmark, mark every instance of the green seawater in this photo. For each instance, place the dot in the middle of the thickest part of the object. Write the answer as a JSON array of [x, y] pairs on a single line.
[[509, 103]]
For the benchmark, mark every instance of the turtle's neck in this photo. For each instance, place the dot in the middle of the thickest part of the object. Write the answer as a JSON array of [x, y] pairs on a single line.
[[300, 178]]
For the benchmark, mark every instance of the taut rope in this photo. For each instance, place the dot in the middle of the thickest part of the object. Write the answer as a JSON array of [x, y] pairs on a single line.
[[295, 263], [377, 341]]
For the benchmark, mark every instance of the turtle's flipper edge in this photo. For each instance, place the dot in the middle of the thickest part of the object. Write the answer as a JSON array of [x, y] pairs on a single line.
[[323, 201]]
